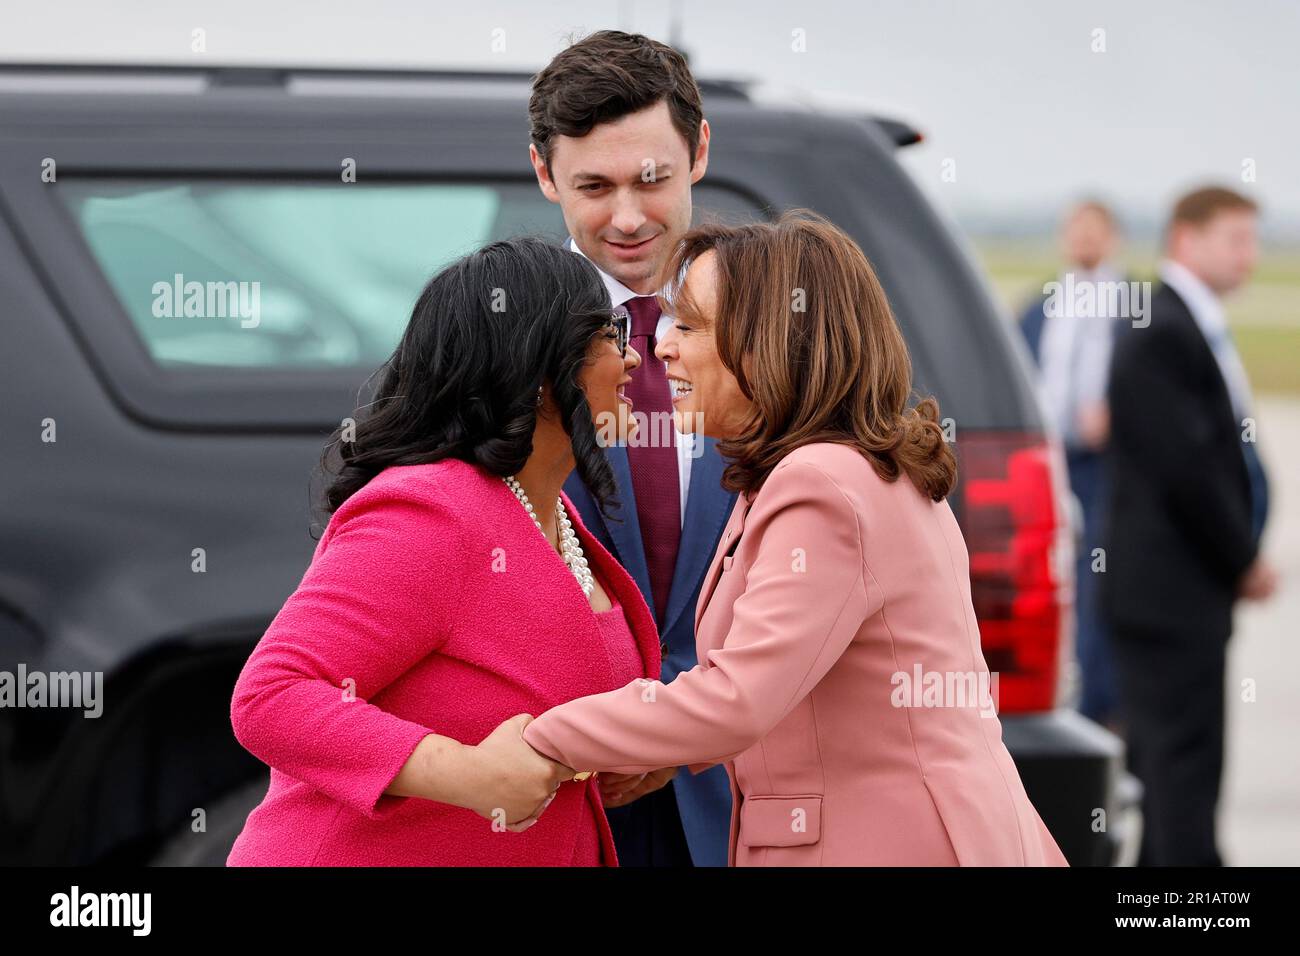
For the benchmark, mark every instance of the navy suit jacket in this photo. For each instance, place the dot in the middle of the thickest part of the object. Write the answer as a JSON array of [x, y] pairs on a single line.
[[703, 799]]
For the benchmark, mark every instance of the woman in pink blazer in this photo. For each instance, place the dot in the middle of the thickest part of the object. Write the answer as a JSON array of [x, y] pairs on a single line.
[[441, 608], [841, 582]]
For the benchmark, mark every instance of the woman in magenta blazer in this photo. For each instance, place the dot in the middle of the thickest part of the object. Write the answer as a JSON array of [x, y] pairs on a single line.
[[839, 597], [447, 601]]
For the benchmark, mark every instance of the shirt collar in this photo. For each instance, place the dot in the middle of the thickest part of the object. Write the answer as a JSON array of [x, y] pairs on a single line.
[[1205, 306], [618, 292]]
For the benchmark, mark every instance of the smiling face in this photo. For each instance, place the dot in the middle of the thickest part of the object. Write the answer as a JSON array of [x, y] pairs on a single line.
[[706, 396], [625, 191], [603, 379]]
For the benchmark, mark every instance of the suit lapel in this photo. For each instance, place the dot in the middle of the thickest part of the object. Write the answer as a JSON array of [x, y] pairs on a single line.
[[707, 508], [1211, 362], [624, 529], [1193, 329], [735, 527]]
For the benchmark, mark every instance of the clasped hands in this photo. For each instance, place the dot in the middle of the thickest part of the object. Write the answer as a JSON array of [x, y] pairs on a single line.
[[516, 780]]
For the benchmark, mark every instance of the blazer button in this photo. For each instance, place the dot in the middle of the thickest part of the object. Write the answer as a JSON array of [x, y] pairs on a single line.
[[663, 648]]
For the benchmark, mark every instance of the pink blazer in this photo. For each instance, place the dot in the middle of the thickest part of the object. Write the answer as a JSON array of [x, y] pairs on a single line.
[[826, 589], [432, 605]]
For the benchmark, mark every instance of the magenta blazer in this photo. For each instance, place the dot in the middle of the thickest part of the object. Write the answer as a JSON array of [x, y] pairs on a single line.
[[826, 588], [432, 605]]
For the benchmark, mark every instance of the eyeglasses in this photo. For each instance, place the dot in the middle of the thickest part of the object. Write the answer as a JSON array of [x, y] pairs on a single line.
[[620, 322]]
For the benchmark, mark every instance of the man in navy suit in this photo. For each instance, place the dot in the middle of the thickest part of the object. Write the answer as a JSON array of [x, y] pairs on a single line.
[[618, 138]]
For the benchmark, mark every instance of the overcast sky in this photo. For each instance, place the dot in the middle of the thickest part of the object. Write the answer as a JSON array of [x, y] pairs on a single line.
[[1012, 91]]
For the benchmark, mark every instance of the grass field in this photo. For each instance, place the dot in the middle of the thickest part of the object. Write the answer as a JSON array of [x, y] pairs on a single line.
[[1265, 316]]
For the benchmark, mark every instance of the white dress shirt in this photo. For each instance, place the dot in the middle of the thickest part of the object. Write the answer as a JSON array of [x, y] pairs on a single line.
[[1075, 357], [618, 294], [1207, 310]]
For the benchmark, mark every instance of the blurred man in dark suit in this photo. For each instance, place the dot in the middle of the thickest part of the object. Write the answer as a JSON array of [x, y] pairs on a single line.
[[1188, 503]]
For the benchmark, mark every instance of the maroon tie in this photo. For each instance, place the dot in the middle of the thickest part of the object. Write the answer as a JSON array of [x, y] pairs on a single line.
[[654, 467]]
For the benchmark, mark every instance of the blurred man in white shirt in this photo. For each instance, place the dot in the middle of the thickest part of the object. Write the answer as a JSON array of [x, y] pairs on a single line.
[[1071, 337]]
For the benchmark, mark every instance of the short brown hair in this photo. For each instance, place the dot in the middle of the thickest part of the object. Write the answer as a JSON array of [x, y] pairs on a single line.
[[1201, 205], [804, 325], [605, 77]]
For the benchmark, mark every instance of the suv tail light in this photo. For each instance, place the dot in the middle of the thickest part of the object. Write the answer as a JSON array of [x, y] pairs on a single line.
[[1021, 563]]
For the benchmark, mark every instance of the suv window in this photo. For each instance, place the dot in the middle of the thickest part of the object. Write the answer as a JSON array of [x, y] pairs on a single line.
[[289, 275]]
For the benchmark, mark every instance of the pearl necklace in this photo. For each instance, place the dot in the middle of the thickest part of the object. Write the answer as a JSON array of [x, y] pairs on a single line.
[[570, 549]]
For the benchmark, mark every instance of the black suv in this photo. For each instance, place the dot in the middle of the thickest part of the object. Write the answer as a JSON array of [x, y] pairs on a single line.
[[202, 267]]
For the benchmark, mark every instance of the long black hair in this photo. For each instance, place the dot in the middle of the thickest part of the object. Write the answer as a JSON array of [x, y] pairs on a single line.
[[484, 335]]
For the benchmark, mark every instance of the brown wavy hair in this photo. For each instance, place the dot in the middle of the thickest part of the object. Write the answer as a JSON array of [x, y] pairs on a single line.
[[803, 324]]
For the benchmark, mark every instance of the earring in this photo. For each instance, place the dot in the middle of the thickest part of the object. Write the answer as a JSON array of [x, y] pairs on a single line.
[[539, 396]]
